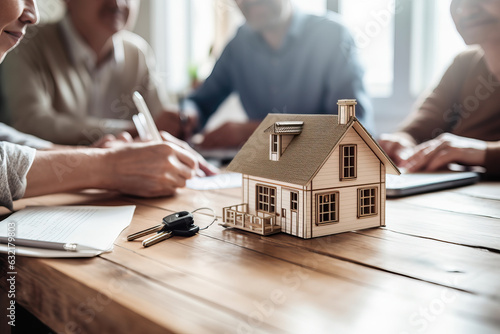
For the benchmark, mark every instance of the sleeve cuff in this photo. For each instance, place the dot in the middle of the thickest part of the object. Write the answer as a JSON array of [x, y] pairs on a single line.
[[14, 166]]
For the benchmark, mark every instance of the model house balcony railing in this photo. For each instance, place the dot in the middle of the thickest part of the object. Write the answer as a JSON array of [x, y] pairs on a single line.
[[261, 223]]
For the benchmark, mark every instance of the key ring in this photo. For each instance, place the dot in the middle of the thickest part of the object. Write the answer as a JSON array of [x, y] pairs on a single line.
[[213, 221]]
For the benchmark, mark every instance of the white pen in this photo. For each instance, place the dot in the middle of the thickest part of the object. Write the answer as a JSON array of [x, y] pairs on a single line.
[[68, 246], [140, 125], [150, 123], [144, 116]]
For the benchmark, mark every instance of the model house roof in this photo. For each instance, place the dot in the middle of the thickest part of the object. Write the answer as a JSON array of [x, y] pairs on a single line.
[[287, 128], [304, 156]]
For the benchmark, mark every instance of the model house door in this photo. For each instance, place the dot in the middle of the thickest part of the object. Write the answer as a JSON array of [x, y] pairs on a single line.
[[293, 227], [284, 219], [294, 223]]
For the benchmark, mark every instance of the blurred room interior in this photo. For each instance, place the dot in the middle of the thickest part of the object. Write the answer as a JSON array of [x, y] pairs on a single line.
[[404, 45]]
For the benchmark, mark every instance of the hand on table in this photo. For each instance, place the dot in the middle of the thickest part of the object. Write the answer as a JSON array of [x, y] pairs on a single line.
[[147, 169], [178, 125], [202, 165], [398, 146], [437, 153]]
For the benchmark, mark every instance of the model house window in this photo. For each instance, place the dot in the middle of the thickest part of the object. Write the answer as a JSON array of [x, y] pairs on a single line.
[[348, 162], [266, 199], [294, 201], [327, 208], [367, 202], [274, 143]]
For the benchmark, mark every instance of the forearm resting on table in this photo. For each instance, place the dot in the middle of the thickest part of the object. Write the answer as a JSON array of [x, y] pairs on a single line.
[[64, 170]]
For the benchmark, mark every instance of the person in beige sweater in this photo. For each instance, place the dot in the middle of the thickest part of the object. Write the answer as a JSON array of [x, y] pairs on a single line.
[[72, 81], [143, 169], [459, 122]]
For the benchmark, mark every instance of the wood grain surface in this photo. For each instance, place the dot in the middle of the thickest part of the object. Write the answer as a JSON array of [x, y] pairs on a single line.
[[434, 268]]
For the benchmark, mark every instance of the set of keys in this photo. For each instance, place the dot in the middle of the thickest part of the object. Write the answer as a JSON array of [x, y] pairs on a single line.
[[180, 224]]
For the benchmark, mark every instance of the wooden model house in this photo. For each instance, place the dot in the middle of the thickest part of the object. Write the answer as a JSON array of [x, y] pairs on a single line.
[[310, 176]]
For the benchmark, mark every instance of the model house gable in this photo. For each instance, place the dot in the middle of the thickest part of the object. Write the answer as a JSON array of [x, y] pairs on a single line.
[[352, 162]]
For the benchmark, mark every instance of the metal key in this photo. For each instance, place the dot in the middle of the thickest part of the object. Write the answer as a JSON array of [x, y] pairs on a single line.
[[157, 238], [140, 234], [179, 223], [164, 235], [179, 220]]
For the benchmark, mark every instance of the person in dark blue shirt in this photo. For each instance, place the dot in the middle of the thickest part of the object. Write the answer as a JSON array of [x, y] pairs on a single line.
[[282, 61]]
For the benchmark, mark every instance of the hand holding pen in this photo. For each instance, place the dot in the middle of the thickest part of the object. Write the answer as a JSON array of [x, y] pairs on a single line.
[[148, 131]]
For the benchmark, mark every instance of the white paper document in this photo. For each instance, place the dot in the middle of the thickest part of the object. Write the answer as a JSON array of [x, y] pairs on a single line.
[[92, 226], [219, 181]]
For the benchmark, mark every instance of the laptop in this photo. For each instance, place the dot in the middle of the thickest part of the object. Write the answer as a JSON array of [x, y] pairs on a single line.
[[417, 183]]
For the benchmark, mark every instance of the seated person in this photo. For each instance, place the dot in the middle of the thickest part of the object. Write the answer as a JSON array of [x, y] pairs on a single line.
[[459, 122], [143, 169], [281, 61], [82, 72]]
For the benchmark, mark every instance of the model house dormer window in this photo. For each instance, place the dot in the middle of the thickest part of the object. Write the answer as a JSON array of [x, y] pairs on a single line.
[[281, 135], [275, 139], [348, 162]]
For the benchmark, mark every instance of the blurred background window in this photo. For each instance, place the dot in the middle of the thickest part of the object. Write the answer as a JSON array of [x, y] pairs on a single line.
[[405, 46], [373, 32]]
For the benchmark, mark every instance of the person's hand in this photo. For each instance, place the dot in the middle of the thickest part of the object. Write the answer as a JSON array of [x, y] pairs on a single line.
[[180, 126], [108, 141], [205, 169], [146, 169], [437, 153], [398, 146], [229, 135]]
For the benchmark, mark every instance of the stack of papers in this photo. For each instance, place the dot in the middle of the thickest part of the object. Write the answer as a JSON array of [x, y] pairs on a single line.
[[93, 227]]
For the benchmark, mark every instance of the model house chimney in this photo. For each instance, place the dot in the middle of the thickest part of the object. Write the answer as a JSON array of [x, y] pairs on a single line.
[[347, 110]]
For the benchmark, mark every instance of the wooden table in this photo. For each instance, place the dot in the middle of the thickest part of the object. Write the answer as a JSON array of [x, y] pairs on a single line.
[[435, 268]]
